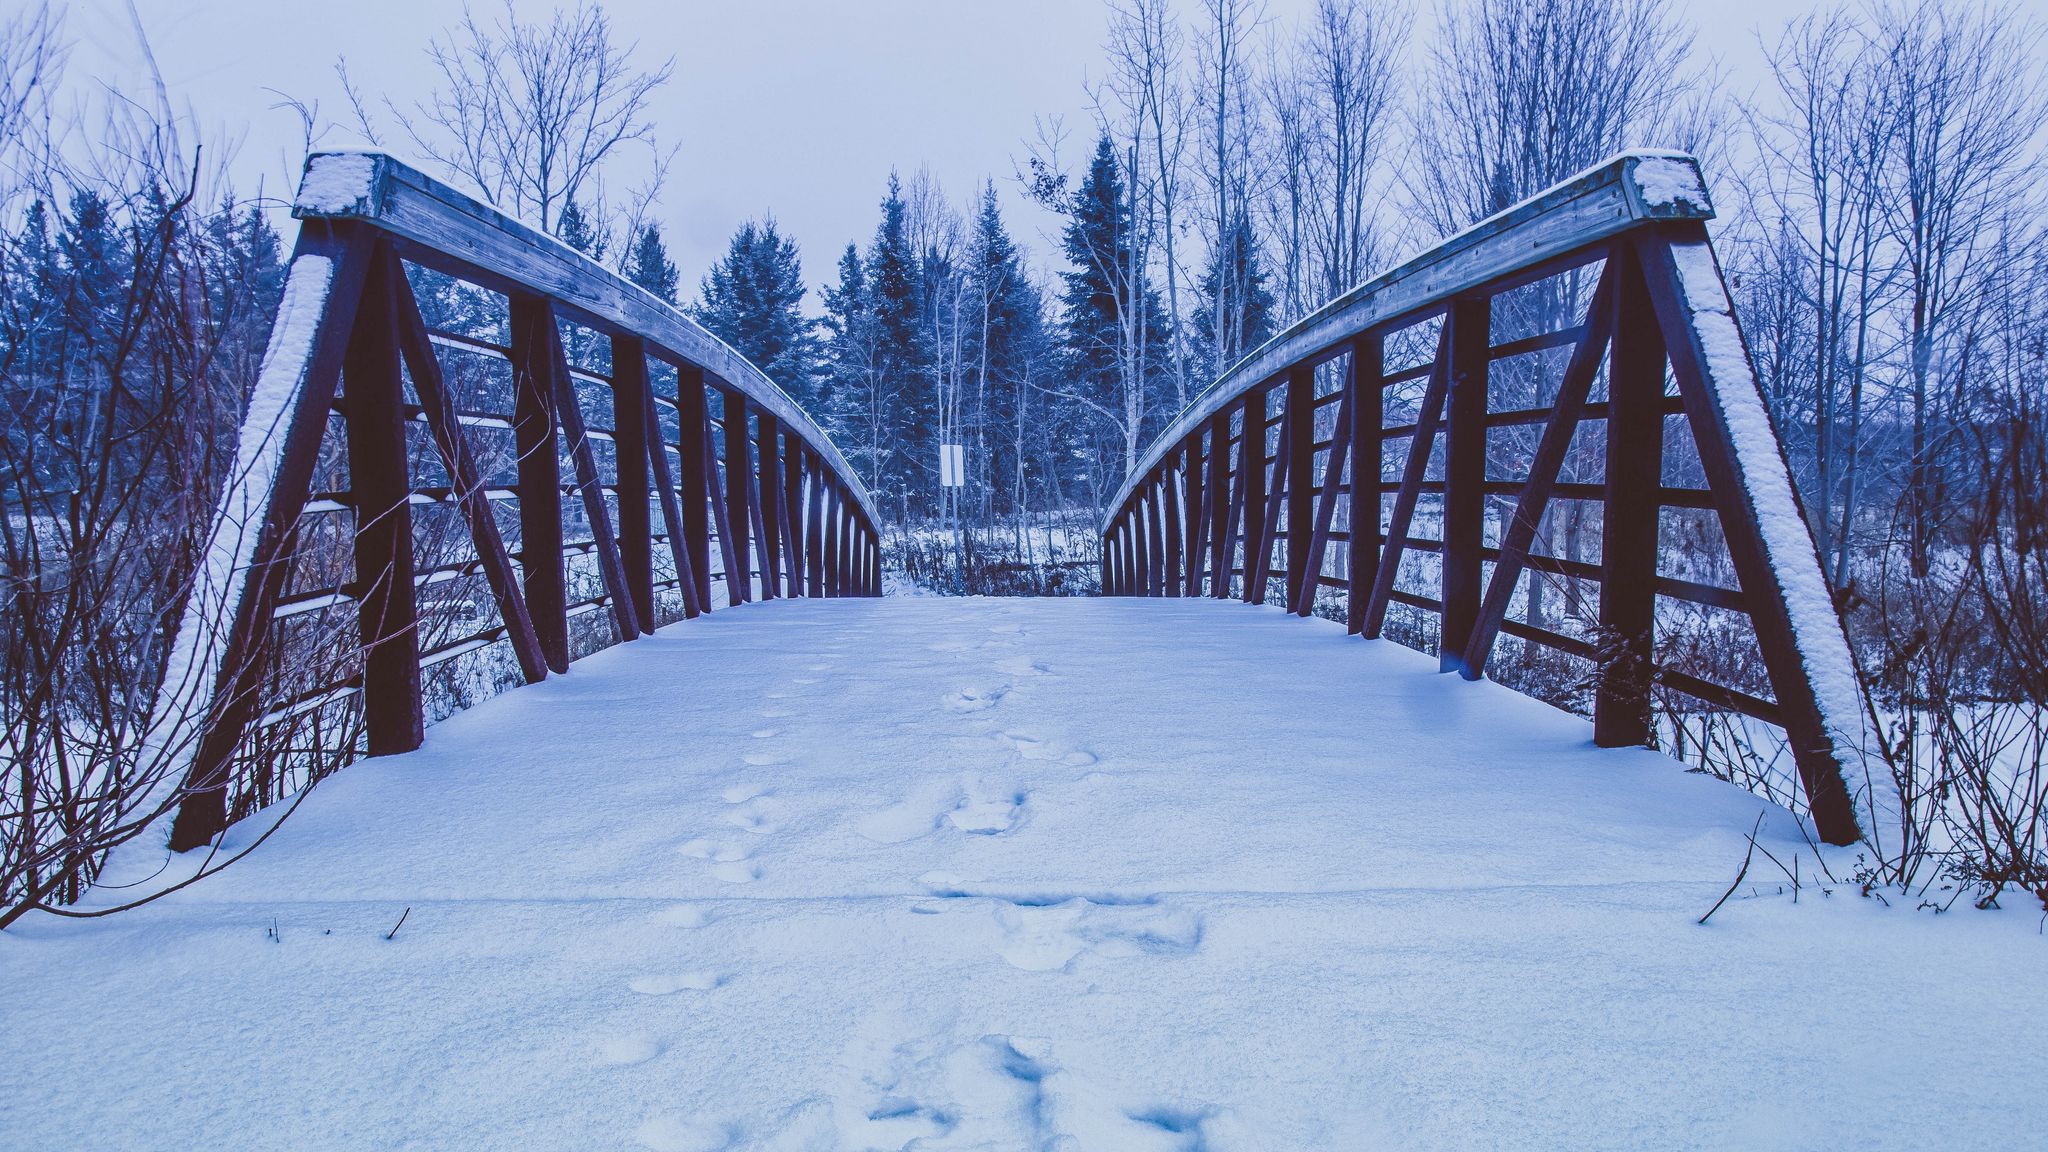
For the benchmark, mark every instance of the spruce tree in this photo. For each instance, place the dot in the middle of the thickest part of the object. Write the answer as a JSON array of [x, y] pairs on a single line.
[[751, 299], [1248, 304], [650, 267]]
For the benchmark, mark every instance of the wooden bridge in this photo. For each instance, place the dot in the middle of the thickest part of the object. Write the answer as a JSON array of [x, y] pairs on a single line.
[[435, 363], [777, 863]]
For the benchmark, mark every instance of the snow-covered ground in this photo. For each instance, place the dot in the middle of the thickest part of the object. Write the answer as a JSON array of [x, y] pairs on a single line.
[[1009, 874]]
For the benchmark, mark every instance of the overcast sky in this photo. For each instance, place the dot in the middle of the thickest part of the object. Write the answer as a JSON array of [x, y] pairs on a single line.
[[796, 107]]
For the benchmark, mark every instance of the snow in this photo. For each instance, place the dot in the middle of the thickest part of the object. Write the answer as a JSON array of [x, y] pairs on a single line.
[[1046, 874], [1666, 181], [1788, 542], [338, 184], [201, 640]]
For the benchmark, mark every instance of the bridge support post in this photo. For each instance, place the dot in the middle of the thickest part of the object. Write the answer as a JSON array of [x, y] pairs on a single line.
[[380, 488], [833, 530], [1469, 322], [631, 442], [1197, 513], [569, 411], [1628, 534], [1301, 455], [768, 461], [1252, 460], [1223, 506], [540, 478], [693, 423], [739, 577], [1169, 512], [1326, 501], [1362, 537]]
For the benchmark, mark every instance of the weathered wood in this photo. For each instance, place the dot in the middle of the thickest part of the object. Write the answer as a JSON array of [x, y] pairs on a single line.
[[734, 558], [380, 490], [1172, 563], [630, 438], [1600, 202], [443, 418], [1469, 323], [1300, 414], [540, 478], [1197, 513], [673, 519], [1234, 516], [1258, 575], [695, 468], [1731, 473], [1362, 533], [814, 531], [1252, 459], [789, 513], [1543, 472], [833, 518], [1628, 522], [336, 257], [590, 487], [1220, 522], [441, 228], [739, 471], [1420, 444]]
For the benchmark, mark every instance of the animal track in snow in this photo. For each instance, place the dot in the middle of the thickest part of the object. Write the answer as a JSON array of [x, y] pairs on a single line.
[[716, 851], [763, 759], [757, 816], [1033, 748], [987, 817], [765, 733], [737, 872], [742, 792], [1022, 666], [1043, 931], [670, 983]]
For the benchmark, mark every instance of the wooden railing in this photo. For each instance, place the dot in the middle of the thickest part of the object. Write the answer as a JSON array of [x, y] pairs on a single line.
[[397, 506], [1516, 375]]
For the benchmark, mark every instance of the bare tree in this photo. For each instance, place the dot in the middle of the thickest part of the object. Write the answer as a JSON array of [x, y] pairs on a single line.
[[1351, 52], [530, 113]]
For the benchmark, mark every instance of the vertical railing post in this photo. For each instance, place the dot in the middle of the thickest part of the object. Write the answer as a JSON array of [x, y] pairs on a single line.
[[380, 491], [793, 511], [1196, 512], [814, 529], [1301, 454], [1464, 477], [739, 582], [1219, 505], [692, 421], [768, 461], [1628, 534], [540, 478], [1362, 549], [1252, 462], [1169, 513], [832, 534], [631, 438]]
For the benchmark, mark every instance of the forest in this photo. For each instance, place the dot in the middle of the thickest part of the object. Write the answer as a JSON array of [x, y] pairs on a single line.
[[1878, 191]]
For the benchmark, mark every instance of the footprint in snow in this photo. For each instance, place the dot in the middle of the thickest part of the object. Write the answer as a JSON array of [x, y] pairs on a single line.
[[976, 700], [757, 816], [1022, 666], [668, 1132], [737, 872], [716, 851], [763, 759], [1033, 748], [670, 983], [743, 792], [765, 733], [627, 1048]]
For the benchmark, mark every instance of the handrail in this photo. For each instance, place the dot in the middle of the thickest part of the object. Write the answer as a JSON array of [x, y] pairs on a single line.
[[1609, 198], [758, 476], [1209, 489], [440, 228]]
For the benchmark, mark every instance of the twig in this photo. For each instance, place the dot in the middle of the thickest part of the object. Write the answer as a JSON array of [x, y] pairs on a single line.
[[1739, 875], [400, 924]]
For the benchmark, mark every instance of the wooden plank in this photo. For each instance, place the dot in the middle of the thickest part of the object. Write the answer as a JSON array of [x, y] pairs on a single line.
[[1800, 706], [1200, 498], [1628, 528], [1252, 460], [761, 503], [1419, 447], [814, 529], [1362, 537], [590, 487], [833, 521], [1299, 413], [1173, 563], [540, 478], [438, 407], [339, 254], [1220, 521], [694, 467], [1226, 546], [1544, 468], [631, 439], [789, 513], [721, 513], [380, 483], [1326, 506], [1468, 323], [1257, 576]]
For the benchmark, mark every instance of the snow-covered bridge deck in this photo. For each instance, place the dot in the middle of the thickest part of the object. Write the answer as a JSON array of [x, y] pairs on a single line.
[[996, 874]]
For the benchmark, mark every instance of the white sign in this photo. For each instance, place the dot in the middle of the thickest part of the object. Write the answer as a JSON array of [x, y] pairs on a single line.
[[952, 466]]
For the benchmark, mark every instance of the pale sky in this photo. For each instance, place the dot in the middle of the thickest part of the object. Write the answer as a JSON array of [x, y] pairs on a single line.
[[796, 107]]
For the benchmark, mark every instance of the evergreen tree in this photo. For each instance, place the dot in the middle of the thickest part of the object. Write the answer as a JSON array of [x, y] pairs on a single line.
[[650, 267], [894, 297], [752, 299], [1009, 340], [1249, 304], [578, 231], [849, 357]]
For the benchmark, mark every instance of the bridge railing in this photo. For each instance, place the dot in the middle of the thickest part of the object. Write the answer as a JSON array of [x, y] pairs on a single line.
[[472, 455], [1570, 368]]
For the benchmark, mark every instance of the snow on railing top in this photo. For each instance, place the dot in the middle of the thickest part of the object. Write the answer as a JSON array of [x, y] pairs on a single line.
[[444, 229], [1636, 187]]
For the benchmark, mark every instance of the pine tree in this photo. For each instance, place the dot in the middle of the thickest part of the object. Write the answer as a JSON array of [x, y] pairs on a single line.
[[578, 231], [849, 358], [894, 296], [751, 299], [650, 267]]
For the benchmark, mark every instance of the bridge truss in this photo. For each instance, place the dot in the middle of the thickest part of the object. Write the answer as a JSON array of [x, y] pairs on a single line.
[[1571, 364]]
